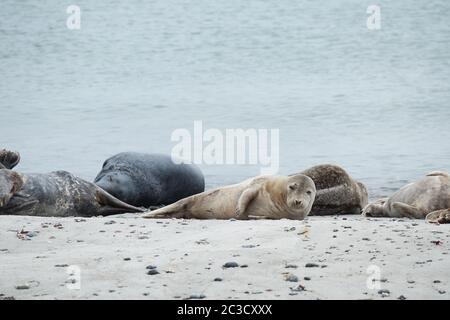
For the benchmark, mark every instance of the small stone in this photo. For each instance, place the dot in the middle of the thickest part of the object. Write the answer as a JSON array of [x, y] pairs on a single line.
[[437, 281], [230, 265], [307, 278], [402, 297], [217, 279], [384, 292], [23, 287], [197, 296], [311, 265], [110, 222], [291, 266], [126, 259], [244, 266], [64, 265], [152, 272], [442, 291], [291, 278], [149, 267], [366, 239]]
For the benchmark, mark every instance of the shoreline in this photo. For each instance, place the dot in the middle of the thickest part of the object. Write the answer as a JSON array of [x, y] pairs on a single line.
[[328, 257]]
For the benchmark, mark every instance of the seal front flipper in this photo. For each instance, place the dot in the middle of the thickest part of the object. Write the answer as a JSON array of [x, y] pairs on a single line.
[[400, 209], [244, 200], [439, 216], [111, 205], [10, 183]]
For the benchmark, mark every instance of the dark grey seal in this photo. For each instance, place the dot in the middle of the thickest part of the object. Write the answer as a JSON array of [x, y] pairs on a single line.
[[149, 179], [57, 194], [337, 192]]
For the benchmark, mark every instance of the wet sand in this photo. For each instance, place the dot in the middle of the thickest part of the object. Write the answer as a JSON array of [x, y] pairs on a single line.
[[127, 257]]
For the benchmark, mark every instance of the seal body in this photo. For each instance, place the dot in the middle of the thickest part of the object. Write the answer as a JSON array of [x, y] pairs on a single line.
[[427, 198], [271, 197], [337, 192], [149, 179]]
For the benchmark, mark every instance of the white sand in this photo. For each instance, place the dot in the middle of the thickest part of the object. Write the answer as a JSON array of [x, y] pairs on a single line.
[[189, 255]]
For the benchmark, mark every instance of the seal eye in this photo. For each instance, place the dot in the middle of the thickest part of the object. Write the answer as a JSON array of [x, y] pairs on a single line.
[[292, 186], [308, 192]]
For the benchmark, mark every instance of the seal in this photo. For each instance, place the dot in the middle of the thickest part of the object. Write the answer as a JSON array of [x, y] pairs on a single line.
[[149, 179], [337, 192], [427, 198], [262, 197], [57, 194]]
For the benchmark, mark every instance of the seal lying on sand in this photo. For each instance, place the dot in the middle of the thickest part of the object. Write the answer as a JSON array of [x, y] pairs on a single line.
[[427, 198], [337, 192], [54, 194], [272, 197], [149, 179]]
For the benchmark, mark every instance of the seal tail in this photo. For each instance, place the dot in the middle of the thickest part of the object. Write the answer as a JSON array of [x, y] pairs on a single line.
[[113, 205]]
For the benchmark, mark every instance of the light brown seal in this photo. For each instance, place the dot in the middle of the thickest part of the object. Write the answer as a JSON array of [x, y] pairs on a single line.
[[427, 198], [337, 192], [270, 197]]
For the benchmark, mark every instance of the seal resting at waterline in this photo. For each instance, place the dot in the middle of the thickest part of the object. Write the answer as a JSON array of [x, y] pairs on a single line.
[[337, 192], [427, 198], [262, 197], [58, 194], [149, 179]]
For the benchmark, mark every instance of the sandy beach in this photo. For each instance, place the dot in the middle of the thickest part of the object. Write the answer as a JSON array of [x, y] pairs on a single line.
[[126, 257]]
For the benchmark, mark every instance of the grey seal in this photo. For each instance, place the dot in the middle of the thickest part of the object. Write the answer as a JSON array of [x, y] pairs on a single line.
[[57, 193], [428, 198], [262, 197], [149, 179], [337, 192]]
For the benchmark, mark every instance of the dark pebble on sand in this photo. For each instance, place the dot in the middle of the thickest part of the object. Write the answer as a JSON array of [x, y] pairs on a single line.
[[126, 259], [384, 292], [291, 278], [442, 291], [311, 265], [197, 296], [218, 279], [402, 297], [291, 266], [149, 267], [152, 272], [307, 278], [23, 287], [437, 281], [244, 266], [64, 265], [230, 265]]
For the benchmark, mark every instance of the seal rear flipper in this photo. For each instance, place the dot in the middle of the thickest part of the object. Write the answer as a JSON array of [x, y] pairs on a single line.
[[438, 216], [175, 210], [244, 200], [112, 205]]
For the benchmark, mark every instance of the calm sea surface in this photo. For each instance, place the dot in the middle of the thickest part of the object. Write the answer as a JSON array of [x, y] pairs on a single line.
[[376, 102]]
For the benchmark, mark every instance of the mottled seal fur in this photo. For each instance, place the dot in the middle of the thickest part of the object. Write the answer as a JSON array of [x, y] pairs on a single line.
[[271, 197], [54, 194], [149, 179], [337, 192], [427, 198]]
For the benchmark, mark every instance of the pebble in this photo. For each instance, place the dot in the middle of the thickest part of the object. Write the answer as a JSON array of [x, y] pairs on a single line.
[[197, 296], [230, 265], [384, 292], [244, 266], [291, 266], [218, 279], [23, 287], [149, 267], [291, 278], [311, 265], [402, 297], [126, 259], [152, 272]]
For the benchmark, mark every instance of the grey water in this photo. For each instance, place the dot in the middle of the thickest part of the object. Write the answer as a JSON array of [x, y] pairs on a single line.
[[376, 102]]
